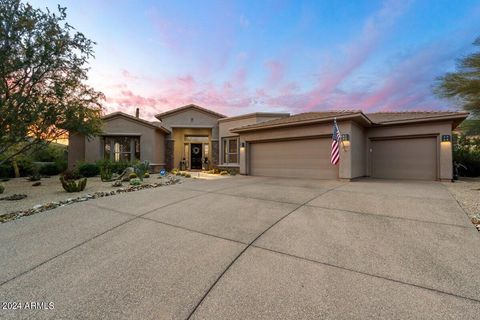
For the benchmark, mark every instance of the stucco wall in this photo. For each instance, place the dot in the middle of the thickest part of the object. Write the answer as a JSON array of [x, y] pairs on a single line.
[[226, 125], [435, 129], [320, 130], [152, 145], [192, 118], [358, 148], [76, 149]]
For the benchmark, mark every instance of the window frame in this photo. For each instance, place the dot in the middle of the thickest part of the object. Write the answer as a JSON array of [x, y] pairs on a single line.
[[116, 154], [226, 153]]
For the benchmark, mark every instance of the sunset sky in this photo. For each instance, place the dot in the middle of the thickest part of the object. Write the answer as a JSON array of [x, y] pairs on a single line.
[[236, 57]]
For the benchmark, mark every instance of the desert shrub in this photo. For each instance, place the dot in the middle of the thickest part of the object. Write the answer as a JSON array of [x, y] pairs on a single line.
[[224, 173], [146, 175], [106, 173], [135, 182], [2, 188], [174, 171], [119, 167], [49, 169], [188, 175], [88, 169], [141, 168], [35, 176], [183, 174], [73, 185], [466, 150], [132, 175], [6, 171]]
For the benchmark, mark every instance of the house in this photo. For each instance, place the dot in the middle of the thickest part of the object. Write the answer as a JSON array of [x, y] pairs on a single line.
[[392, 145]]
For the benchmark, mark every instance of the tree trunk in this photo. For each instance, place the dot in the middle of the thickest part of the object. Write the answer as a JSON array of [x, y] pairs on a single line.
[[15, 168]]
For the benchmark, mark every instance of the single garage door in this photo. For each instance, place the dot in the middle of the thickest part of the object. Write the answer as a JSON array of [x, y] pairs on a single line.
[[308, 158], [414, 158]]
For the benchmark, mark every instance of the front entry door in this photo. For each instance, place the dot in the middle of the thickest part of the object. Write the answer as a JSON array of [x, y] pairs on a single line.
[[196, 156]]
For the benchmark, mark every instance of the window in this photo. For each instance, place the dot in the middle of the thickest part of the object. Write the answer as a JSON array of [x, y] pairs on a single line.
[[230, 150], [121, 148]]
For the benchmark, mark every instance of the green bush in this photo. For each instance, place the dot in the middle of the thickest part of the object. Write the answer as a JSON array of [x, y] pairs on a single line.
[[119, 167], [2, 188], [88, 169], [224, 173], [135, 182], [132, 175], [188, 175], [466, 150], [48, 153], [174, 171], [146, 175], [49, 169], [73, 185]]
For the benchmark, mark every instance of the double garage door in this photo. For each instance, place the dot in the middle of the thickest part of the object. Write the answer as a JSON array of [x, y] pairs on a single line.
[[306, 158], [414, 158]]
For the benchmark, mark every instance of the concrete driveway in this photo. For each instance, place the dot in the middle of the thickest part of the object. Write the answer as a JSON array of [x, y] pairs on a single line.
[[247, 248]]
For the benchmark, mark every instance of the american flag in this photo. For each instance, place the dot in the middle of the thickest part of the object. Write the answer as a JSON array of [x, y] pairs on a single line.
[[335, 155]]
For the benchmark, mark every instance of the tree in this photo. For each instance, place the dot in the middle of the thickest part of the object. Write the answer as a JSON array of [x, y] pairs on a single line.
[[464, 84], [43, 69]]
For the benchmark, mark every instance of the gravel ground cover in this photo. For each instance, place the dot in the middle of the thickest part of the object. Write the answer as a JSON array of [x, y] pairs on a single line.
[[467, 193]]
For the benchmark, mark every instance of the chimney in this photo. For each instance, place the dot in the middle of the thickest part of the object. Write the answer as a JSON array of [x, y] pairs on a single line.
[[137, 113]]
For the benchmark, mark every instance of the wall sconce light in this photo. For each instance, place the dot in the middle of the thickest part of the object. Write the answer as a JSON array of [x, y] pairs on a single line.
[[345, 137], [446, 138], [242, 145]]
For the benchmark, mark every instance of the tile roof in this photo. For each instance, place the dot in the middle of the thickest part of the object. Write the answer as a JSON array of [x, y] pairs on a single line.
[[301, 117], [386, 117], [189, 106], [155, 124], [374, 118]]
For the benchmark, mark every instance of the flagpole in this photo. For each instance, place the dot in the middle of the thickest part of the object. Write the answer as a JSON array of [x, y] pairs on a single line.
[[340, 134]]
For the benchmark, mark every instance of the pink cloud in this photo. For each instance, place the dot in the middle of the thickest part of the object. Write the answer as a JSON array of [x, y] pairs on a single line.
[[276, 72], [357, 52]]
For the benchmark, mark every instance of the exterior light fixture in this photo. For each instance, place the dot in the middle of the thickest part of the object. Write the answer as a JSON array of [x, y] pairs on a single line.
[[345, 137], [242, 145], [446, 138]]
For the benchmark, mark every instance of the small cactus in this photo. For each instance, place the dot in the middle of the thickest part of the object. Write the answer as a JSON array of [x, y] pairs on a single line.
[[72, 185], [135, 182]]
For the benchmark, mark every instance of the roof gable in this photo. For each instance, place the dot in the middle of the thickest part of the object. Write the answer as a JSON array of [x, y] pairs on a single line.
[[186, 108], [119, 114]]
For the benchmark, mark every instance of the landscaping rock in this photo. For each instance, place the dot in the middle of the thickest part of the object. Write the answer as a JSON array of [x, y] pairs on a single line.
[[476, 218], [36, 184]]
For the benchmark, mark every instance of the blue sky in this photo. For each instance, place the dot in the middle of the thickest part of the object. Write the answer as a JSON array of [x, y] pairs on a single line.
[[297, 56]]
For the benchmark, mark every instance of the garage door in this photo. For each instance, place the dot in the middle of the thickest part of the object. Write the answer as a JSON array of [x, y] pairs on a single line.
[[405, 158], [309, 158]]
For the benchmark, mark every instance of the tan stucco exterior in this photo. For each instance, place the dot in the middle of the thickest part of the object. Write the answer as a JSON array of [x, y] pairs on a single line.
[[436, 129], [163, 142], [152, 142], [227, 124]]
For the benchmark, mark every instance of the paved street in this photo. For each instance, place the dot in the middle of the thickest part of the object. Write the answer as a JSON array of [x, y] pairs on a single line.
[[248, 248]]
